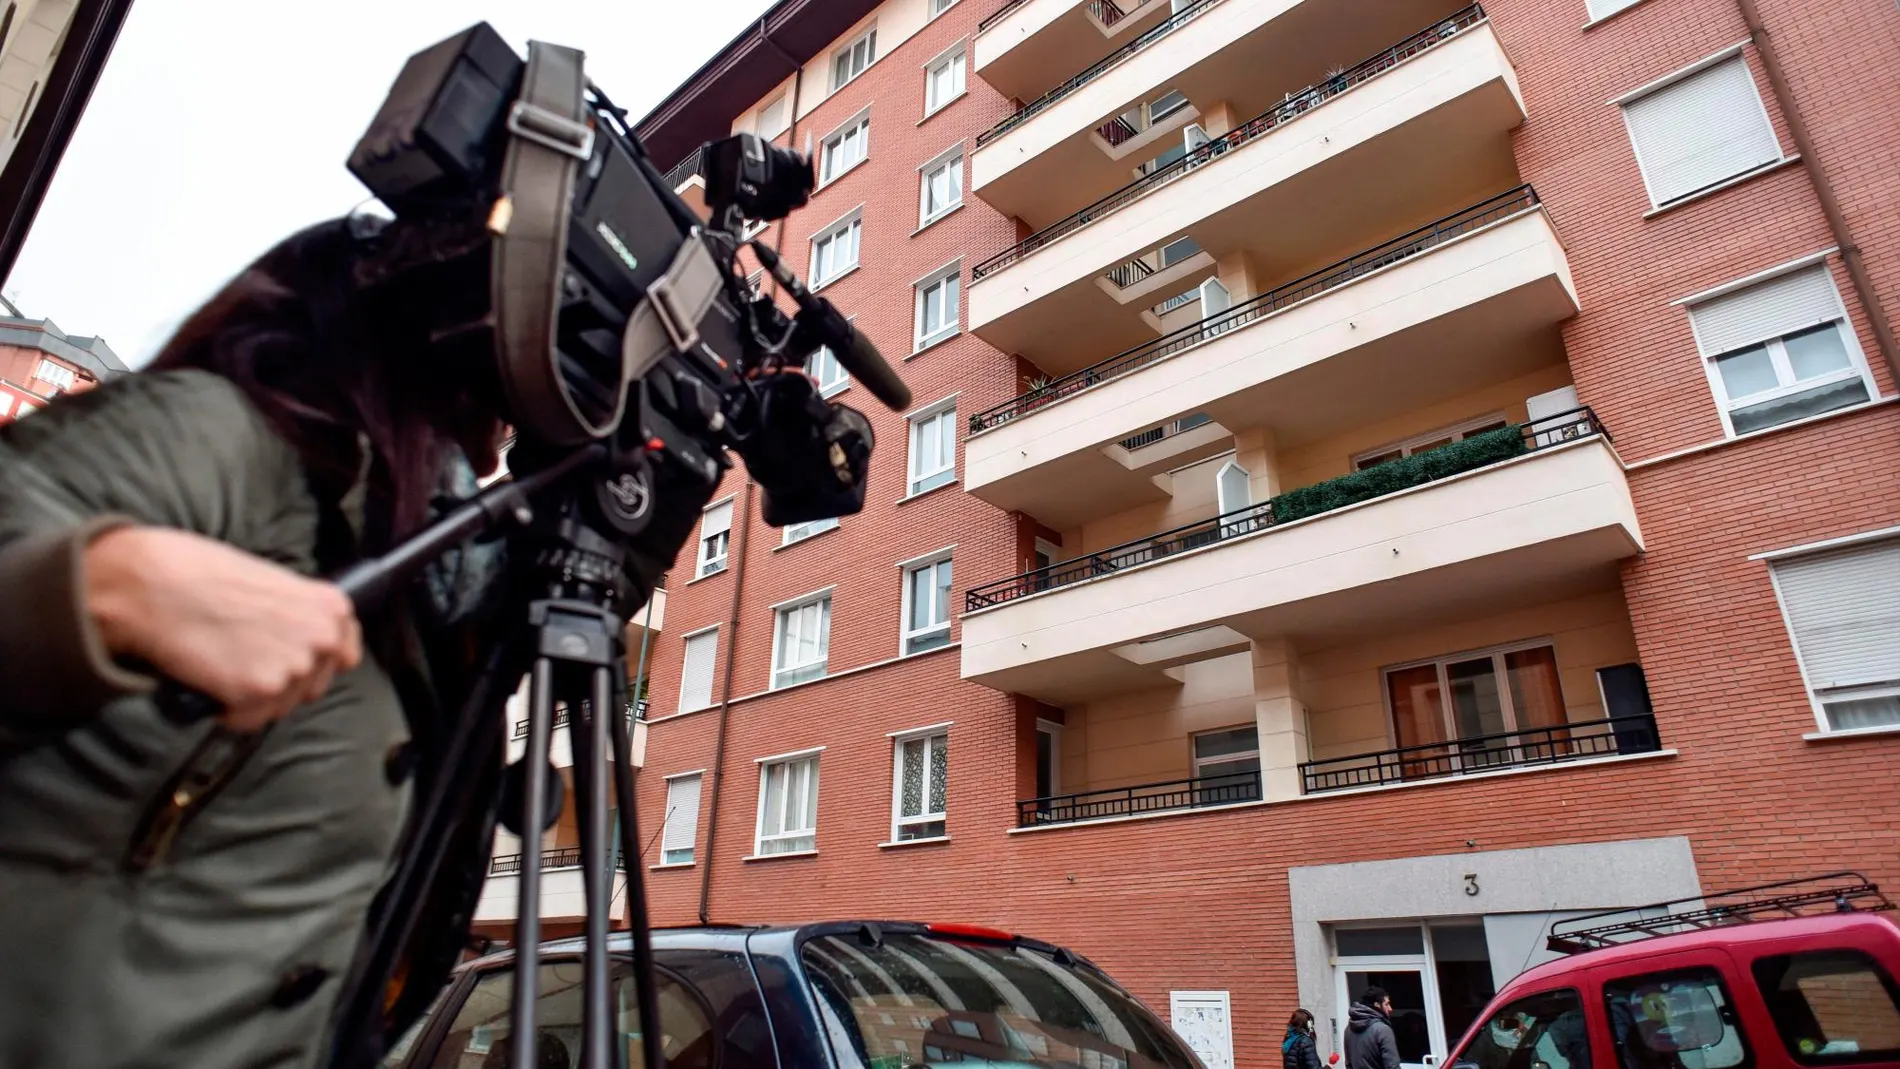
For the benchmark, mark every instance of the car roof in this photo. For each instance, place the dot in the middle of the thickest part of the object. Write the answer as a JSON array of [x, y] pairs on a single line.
[[1854, 928]]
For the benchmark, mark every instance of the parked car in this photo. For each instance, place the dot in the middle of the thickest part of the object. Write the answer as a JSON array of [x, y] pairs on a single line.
[[1709, 984], [838, 995]]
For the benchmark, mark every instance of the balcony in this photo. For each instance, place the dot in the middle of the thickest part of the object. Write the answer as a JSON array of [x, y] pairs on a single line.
[[1233, 788], [1527, 506], [686, 180], [1022, 46], [1471, 298], [1623, 736]]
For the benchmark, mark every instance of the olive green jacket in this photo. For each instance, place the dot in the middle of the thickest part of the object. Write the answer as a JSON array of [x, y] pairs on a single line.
[[227, 950]]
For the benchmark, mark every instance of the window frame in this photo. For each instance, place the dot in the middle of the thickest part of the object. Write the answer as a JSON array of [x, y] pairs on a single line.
[[1735, 54], [867, 37], [852, 220], [1823, 728], [1441, 661], [1683, 966], [951, 326], [1054, 731], [931, 737], [933, 12], [691, 850], [956, 57], [759, 835], [723, 560], [712, 684], [1195, 760], [62, 378], [1457, 432], [1757, 968], [905, 635], [806, 531], [950, 160], [914, 478], [781, 613], [836, 386], [783, 96], [859, 124]]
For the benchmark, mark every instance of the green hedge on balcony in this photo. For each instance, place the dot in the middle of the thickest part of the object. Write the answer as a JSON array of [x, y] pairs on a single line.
[[1395, 475]]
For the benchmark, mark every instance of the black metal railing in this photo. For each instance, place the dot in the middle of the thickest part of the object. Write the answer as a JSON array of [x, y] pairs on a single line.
[[1095, 70], [1165, 431], [560, 718], [1484, 753], [684, 169], [1131, 272], [997, 15], [1291, 108], [1228, 789], [1353, 267], [565, 857], [1536, 434]]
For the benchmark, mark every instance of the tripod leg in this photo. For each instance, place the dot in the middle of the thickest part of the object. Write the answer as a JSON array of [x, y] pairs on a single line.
[[590, 736], [638, 933], [533, 817]]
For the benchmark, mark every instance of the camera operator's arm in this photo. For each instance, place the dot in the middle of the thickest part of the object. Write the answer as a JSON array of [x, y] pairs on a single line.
[[119, 514]]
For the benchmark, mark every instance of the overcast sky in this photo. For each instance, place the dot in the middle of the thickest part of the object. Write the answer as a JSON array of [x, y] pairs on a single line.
[[221, 126]]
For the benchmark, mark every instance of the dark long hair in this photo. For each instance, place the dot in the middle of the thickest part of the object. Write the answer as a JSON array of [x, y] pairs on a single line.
[[332, 363], [1301, 1022]]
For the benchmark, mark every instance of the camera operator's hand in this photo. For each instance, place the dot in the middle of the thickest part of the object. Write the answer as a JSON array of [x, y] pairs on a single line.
[[256, 637]]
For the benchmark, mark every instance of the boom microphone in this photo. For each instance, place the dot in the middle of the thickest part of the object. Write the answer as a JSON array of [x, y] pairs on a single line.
[[832, 330]]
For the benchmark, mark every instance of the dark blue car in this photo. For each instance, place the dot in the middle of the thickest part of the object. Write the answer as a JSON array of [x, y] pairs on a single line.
[[837, 995]]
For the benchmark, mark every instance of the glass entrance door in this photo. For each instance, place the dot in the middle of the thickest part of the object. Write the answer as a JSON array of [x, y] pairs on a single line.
[[1438, 974], [1415, 1013]]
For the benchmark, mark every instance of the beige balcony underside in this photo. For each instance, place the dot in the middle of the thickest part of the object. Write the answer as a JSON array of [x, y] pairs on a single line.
[[1317, 189], [1536, 526], [1248, 54], [1476, 310], [1039, 44], [563, 896]]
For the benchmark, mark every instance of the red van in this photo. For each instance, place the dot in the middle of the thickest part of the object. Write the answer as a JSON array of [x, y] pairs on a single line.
[[1795, 975]]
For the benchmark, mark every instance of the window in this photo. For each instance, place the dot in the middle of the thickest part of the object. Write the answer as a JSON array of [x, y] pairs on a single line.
[[835, 251], [1228, 754], [715, 537], [824, 369], [1843, 612], [937, 307], [849, 62], [943, 80], [1548, 1026], [1429, 441], [845, 148], [696, 678], [56, 374], [927, 606], [922, 761], [933, 449], [775, 117], [802, 641], [1603, 9], [1832, 1007], [942, 188], [482, 1024], [1177, 250], [1165, 106], [1683, 1018], [1700, 131], [681, 826], [1048, 758], [938, 7], [788, 805], [1780, 350], [798, 532], [1473, 699]]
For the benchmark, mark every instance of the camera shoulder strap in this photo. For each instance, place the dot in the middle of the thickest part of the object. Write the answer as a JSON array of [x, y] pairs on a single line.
[[549, 140], [667, 319]]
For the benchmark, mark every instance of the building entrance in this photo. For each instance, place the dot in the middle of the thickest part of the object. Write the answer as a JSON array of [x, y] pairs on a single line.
[[1438, 974]]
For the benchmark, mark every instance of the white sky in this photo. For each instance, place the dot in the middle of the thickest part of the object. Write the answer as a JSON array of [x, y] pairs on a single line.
[[221, 126]]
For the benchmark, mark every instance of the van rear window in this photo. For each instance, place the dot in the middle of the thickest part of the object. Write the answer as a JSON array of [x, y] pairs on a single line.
[[919, 1000], [1832, 1007]]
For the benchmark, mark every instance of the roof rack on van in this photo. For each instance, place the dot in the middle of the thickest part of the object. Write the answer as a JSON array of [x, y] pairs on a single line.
[[1835, 892]]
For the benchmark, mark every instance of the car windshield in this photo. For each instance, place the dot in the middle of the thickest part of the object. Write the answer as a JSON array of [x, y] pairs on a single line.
[[916, 1000]]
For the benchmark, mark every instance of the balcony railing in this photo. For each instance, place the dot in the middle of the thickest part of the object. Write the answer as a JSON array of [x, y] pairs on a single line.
[[684, 169], [1095, 70], [1368, 484], [1165, 431], [565, 857], [1484, 753], [994, 17], [1291, 108], [1228, 789], [1358, 265], [560, 718]]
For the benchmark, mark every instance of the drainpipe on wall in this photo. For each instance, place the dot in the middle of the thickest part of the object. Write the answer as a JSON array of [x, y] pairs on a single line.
[[742, 522], [1823, 189]]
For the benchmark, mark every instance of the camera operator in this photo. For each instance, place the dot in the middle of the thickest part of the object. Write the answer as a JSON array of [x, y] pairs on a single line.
[[168, 525]]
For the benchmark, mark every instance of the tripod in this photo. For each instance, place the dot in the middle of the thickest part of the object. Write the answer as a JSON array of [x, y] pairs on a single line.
[[569, 639]]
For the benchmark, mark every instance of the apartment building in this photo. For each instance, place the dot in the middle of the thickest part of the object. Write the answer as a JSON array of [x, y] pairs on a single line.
[[1386, 475], [38, 362]]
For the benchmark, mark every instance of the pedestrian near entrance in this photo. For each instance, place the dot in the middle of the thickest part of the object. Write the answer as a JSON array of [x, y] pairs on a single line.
[[1299, 1050], [1370, 1043]]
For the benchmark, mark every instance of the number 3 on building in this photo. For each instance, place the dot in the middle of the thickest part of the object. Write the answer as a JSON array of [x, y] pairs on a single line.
[[1471, 884]]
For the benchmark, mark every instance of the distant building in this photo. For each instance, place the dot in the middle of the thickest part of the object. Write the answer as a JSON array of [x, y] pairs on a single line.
[[38, 362]]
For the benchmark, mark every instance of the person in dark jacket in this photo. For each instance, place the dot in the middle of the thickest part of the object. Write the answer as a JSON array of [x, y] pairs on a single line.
[[1299, 1051], [171, 524], [1370, 1043]]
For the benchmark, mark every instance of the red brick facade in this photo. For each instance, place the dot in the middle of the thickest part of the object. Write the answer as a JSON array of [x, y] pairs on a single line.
[[1202, 900]]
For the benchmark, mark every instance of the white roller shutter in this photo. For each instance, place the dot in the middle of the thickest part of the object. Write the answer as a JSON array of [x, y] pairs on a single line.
[[1844, 608], [696, 680], [715, 520], [1770, 309], [1603, 9], [1699, 131], [682, 817]]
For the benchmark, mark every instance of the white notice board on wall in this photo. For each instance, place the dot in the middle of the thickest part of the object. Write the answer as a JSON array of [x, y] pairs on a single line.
[[1202, 1021]]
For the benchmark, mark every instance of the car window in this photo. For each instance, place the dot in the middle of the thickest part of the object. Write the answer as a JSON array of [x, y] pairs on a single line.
[[478, 1038], [1541, 1031], [1682, 1019], [1832, 1007]]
